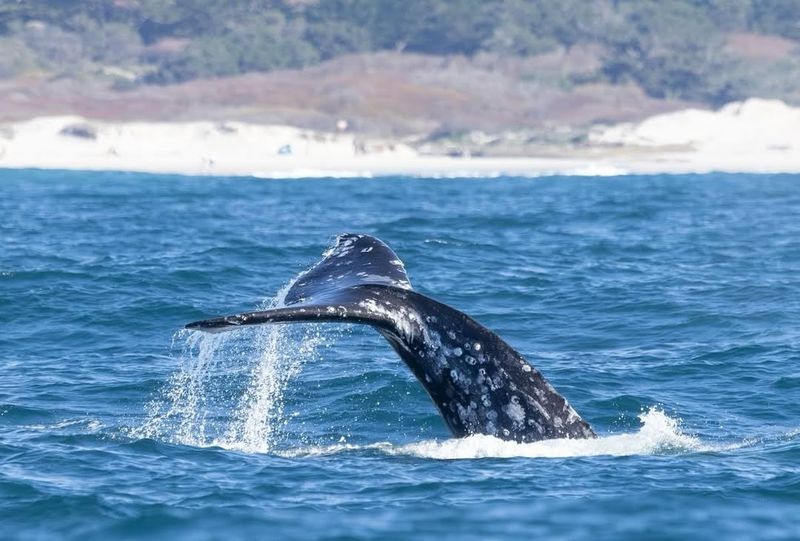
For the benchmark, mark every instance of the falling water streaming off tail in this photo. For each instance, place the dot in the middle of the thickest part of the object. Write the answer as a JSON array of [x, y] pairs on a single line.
[[229, 388]]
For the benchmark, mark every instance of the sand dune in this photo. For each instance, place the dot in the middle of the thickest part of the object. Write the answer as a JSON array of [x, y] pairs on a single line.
[[754, 135]]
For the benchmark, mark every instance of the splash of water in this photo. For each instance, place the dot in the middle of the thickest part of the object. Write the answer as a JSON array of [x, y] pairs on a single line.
[[229, 390], [659, 434], [259, 417]]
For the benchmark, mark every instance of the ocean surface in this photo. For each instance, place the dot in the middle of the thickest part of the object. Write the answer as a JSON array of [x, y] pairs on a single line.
[[665, 308]]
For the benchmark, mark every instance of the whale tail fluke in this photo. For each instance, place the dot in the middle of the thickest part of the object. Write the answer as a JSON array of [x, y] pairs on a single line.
[[331, 290], [480, 384]]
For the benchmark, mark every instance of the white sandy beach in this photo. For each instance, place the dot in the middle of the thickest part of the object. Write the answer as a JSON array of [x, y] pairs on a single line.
[[751, 136]]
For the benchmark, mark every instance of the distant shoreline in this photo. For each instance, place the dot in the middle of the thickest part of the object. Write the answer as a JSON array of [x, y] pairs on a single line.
[[756, 136]]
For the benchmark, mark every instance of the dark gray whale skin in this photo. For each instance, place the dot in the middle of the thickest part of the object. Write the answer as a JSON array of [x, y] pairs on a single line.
[[479, 383]]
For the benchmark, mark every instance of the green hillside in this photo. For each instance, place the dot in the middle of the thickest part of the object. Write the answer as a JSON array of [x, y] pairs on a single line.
[[681, 49]]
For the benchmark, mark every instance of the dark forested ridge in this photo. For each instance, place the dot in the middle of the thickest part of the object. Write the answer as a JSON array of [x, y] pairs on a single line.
[[709, 51]]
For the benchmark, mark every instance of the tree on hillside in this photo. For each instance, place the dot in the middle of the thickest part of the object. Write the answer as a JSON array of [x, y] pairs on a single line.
[[425, 26], [525, 27], [263, 42], [672, 50], [780, 17]]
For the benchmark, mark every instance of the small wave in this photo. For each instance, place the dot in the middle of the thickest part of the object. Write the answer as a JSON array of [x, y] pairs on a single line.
[[448, 173], [85, 426], [304, 174], [659, 435], [597, 170]]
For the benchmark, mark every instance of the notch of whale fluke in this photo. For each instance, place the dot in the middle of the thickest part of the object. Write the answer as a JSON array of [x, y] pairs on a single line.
[[480, 384]]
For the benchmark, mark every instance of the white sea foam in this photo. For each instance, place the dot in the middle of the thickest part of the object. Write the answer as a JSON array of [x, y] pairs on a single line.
[[659, 434]]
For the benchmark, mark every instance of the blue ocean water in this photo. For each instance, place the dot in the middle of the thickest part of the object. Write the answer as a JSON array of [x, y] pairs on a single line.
[[665, 308]]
